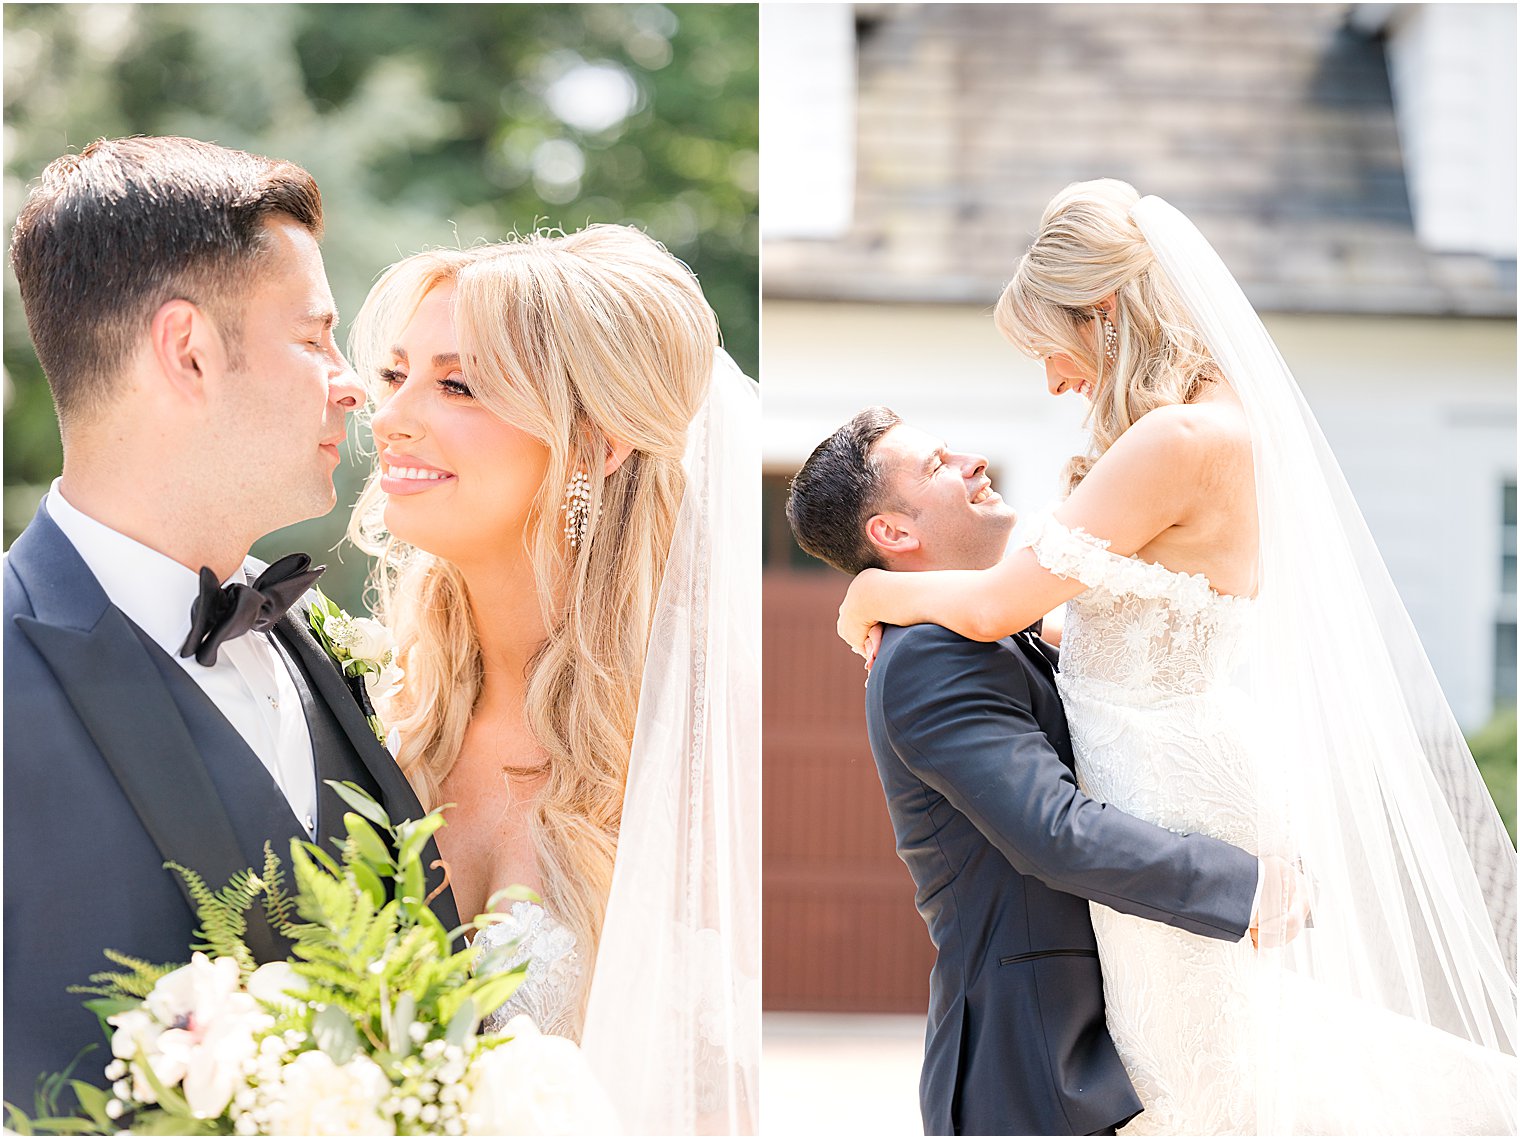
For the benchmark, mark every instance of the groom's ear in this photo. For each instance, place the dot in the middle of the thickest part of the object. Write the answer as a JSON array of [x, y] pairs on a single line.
[[889, 534], [185, 345]]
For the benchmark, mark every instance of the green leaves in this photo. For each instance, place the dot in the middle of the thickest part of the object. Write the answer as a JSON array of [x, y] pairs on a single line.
[[373, 962], [335, 1034], [412, 836], [367, 842], [463, 1023], [359, 800]]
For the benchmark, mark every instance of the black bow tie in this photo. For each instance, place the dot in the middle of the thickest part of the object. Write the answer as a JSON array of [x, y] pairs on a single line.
[[222, 613], [1034, 630]]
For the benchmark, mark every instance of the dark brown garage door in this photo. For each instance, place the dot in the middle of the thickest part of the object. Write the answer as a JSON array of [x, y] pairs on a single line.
[[841, 933]]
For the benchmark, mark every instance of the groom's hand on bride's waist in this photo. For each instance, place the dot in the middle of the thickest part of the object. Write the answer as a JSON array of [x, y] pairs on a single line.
[[1283, 904]]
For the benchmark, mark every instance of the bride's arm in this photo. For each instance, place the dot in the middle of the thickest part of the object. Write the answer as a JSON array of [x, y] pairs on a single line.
[[1147, 481]]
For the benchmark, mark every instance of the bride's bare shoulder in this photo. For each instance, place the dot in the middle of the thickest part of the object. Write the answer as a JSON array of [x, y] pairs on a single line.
[[1207, 430]]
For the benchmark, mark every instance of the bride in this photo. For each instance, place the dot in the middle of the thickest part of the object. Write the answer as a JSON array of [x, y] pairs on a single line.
[[561, 507], [1236, 662]]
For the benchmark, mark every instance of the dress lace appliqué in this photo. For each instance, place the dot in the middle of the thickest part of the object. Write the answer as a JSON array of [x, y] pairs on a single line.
[[550, 990], [1160, 730]]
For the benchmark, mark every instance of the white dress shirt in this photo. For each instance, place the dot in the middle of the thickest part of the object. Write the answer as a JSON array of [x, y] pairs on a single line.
[[249, 683]]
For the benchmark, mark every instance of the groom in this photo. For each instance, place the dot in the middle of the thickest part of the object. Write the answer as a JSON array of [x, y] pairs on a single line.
[[974, 756], [178, 304]]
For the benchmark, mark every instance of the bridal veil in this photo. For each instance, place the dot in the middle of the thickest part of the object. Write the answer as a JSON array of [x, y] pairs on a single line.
[[1363, 776], [673, 1019]]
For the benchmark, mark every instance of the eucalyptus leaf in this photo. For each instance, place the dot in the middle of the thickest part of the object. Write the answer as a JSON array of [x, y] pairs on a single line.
[[170, 1101], [413, 836], [413, 885], [335, 1034], [493, 992], [16, 1120], [510, 894], [110, 1006], [167, 1123], [442, 938], [369, 882], [65, 1125], [93, 1100], [371, 845], [402, 1017], [462, 1024], [326, 860], [357, 798]]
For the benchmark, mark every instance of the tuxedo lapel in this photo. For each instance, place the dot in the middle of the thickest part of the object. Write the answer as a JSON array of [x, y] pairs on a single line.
[[397, 796], [1044, 655], [117, 692], [401, 802]]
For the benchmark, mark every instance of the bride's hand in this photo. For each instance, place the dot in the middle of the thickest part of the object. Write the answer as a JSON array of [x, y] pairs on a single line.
[[855, 620], [872, 646]]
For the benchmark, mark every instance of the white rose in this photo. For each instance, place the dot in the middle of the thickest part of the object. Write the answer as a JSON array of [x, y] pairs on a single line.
[[367, 639], [138, 1032], [317, 1097], [209, 1029], [273, 983], [384, 684], [535, 1085]]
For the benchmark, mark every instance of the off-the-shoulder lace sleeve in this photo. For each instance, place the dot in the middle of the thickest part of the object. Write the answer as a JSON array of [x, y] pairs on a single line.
[[1072, 552]]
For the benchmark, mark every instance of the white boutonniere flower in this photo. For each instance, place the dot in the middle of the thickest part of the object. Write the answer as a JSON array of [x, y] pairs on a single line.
[[365, 652]]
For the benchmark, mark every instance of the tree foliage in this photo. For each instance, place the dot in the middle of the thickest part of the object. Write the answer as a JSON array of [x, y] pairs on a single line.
[[425, 125]]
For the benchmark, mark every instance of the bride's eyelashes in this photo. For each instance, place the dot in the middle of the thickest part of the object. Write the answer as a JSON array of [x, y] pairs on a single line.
[[391, 378]]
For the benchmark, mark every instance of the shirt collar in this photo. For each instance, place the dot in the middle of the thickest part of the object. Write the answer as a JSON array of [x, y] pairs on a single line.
[[153, 590]]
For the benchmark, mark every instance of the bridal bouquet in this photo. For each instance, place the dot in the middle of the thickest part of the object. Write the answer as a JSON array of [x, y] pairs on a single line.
[[370, 1028]]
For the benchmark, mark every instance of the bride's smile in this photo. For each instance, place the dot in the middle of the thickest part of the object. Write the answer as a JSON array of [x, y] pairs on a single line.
[[459, 480], [405, 474]]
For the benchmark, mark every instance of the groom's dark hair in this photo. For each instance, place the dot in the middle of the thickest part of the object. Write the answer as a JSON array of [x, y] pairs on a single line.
[[837, 491], [112, 233]]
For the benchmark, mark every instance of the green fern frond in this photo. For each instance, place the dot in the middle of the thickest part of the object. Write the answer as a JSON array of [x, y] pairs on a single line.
[[321, 898], [279, 907], [357, 983], [382, 930], [322, 995], [222, 914], [137, 981]]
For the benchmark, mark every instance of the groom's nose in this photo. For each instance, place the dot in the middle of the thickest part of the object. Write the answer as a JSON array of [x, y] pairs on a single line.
[[344, 390]]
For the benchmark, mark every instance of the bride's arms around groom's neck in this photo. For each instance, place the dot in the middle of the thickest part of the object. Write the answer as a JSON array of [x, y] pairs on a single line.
[[1155, 476]]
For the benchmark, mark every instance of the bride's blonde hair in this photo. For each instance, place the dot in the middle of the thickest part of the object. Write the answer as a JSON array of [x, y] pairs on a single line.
[[576, 340], [1087, 248]]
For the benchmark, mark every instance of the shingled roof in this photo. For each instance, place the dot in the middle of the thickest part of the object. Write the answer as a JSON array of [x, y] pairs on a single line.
[[1271, 125]]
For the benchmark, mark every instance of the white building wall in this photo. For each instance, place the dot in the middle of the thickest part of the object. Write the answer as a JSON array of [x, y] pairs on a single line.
[[807, 119], [1452, 69], [1421, 414]]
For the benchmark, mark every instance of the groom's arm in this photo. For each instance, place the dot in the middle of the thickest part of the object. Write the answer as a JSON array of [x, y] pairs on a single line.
[[958, 714]]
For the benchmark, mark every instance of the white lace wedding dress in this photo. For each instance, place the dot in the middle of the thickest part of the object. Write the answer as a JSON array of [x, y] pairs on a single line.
[[1160, 732], [550, 990]]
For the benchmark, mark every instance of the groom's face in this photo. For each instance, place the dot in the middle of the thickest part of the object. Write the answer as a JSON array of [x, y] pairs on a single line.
[[943, 502], [280, 410]]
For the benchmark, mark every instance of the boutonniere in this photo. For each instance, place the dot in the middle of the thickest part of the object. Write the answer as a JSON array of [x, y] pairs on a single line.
[[365, 652]]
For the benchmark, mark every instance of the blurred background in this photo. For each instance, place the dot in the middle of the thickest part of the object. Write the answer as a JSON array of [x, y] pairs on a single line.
[[1354, 164], [424, 125]]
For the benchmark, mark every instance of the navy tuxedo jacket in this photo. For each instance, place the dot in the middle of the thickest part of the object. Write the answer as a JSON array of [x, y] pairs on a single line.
[[975, 758], [115, 762]]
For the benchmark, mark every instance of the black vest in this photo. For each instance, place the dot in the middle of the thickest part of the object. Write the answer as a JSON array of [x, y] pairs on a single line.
[[262, 812]]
